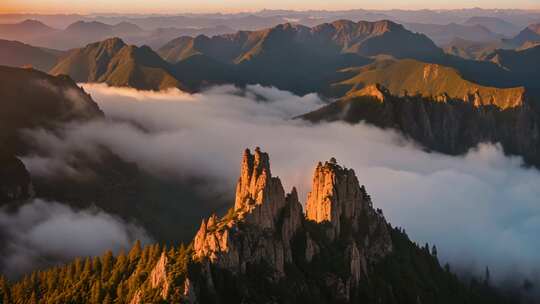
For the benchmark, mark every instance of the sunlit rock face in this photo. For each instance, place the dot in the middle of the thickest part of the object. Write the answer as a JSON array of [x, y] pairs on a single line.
[[265, 224], [270, 220]]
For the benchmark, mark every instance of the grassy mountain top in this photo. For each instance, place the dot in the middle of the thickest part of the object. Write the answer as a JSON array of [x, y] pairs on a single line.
[[410, 77]]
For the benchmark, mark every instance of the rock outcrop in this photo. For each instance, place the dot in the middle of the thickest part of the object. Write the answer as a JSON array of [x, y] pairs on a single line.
[[269, 218], [338, 198], [267, 227]]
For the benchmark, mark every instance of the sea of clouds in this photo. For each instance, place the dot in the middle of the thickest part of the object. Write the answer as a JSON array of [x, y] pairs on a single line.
[[480, 209]]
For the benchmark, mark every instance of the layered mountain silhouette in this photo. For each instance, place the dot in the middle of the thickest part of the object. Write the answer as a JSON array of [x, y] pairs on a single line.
[[471, 50], [444, 34], [529, 34], [267, 250], [81, 33], [494, 24], [17, 54], [343, 37], [292, 57], [25, 30]]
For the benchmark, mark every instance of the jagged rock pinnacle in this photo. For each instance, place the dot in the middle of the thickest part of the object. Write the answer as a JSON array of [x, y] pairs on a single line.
[[258, 194], [335, 196]]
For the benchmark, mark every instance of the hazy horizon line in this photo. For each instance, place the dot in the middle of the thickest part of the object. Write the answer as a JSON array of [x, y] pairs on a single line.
[[255, 11]]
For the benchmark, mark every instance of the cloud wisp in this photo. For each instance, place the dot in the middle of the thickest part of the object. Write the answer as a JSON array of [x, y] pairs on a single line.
[[480, 209]]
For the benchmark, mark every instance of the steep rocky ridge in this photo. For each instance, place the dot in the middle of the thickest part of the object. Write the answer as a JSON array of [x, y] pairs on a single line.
[[441, 123]]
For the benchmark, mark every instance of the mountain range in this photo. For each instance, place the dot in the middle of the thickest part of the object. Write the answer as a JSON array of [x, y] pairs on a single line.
[[293, 57], [81, 33]]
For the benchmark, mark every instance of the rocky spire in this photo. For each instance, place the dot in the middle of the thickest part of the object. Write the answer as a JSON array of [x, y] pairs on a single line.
[[261, 203], [257, 192], [336, 196]]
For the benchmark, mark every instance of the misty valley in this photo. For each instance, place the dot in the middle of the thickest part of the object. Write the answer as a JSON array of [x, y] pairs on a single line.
[[280, 156]]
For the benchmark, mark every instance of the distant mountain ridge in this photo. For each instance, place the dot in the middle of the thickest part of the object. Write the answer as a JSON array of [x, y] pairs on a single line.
[[361, 38], [27, 29], [444, 34], [494, 24], [530, 34], [17, 54]]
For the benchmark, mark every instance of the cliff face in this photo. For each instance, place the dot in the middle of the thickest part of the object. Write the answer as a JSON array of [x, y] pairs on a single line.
[[338, 199], [268, 229], [267, 217], [442, 123]]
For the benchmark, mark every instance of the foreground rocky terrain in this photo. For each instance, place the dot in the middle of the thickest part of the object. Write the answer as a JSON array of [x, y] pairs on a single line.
[[267, 250]]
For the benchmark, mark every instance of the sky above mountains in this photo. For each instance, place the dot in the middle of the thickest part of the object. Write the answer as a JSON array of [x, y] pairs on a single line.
[[174, 6]]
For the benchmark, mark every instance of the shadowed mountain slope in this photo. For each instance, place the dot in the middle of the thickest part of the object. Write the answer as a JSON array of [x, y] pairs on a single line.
[[32, 99]]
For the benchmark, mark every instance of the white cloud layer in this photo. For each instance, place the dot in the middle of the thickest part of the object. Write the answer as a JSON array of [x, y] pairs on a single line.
[[480, 210], [44, 233]]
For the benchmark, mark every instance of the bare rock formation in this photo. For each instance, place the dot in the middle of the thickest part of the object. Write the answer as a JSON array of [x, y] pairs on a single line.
[[269, 221], [267, 227]]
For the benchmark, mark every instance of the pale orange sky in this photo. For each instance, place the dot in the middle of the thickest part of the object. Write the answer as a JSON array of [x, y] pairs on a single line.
[[185, 6]]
